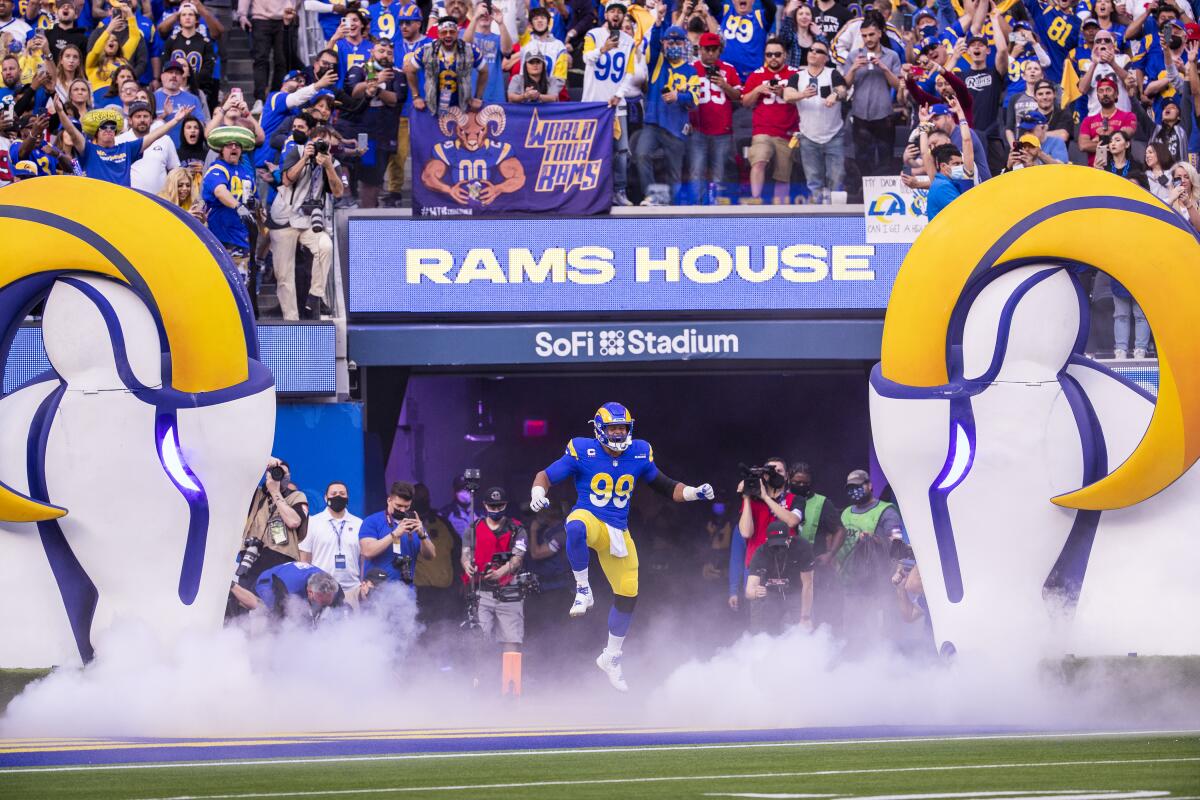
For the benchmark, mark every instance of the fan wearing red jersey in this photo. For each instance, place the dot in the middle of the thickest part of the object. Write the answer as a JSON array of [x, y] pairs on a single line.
[[774, 122]]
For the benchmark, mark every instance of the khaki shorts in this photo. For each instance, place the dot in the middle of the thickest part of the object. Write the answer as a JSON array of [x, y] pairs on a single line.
[[506, 620], [763, 148]]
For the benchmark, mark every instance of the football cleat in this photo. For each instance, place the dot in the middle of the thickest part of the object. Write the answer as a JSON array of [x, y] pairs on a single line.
[[583, 601], [611, 666], [613, 414]]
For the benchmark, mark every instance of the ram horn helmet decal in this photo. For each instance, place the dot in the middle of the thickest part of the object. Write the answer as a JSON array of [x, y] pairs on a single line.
[[52, 226], [1071, 216]]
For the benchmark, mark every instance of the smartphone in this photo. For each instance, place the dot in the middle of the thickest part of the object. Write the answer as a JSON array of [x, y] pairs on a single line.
[[362, 142], [812, 81], [918, 72], [236, 92]]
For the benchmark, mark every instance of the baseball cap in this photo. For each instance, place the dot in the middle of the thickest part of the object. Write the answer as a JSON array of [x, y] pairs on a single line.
[[175, 64], [675, 32], [25, 169], [1030, 140], [923, 12], [1021, 25], [293, 75], [710, 40], [139, 105], [494, 496], [535, 57], [615, 4], [777, 534], [376, 576], [929, 44], [938, 109], [976, 37], [1031, 119], [1090, 22], [409, 13], [1107, 80], [316, 98], [858, 476]]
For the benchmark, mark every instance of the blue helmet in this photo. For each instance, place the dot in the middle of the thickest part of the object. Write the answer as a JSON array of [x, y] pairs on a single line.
[[613, 414]]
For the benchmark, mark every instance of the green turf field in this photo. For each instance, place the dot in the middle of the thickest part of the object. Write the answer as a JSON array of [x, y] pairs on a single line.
[[1078, 768]]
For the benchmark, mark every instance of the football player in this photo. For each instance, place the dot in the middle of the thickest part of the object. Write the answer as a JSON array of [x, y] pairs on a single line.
[[605, 470]]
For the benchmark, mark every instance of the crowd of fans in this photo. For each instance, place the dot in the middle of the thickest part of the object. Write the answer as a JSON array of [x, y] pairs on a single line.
[[764, 558], [743, 101]]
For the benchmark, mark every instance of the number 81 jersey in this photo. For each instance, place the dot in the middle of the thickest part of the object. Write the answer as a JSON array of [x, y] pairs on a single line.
[[604, 483]]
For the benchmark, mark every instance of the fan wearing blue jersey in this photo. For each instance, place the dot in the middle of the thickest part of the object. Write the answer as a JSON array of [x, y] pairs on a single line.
[[605, 471]]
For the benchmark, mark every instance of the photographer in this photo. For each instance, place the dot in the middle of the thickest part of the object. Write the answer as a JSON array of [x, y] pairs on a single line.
[[391, 540], [299, 214], [497, 535], [765, 499], [280, 587], [278, 516], [780, 582]]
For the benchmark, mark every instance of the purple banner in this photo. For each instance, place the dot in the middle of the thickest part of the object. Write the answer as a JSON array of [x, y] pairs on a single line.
[[513, 158]]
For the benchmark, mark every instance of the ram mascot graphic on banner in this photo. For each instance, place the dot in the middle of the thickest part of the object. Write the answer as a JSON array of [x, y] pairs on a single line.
[[126, 469], [473, 166], [1053, 506]]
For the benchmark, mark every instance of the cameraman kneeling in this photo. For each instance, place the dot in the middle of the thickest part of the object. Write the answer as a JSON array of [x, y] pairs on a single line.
[[276, 587], [501, 604], [310, 176], [780, 582]]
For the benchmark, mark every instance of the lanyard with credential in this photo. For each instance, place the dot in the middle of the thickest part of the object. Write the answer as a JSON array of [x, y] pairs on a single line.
[[337, 531]]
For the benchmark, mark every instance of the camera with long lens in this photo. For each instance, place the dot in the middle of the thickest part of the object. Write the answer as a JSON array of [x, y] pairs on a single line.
[[404, 566], [252, 547], [320, 147], [470, 478], [315, 209]]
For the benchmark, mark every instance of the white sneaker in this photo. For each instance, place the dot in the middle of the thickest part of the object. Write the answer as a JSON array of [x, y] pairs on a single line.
[[257, 109], [583, 601], [1119, 355], [649, 201], [611, 666], [620, 199], [1139, 352]]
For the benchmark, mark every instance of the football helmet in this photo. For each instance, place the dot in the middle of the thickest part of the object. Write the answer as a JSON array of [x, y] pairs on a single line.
[[613, 414]]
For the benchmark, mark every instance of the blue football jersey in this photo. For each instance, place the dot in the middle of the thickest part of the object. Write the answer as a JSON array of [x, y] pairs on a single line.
[[604, 483]]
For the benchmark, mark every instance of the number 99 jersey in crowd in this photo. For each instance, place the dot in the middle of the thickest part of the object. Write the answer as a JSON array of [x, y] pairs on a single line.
[[604, 482]]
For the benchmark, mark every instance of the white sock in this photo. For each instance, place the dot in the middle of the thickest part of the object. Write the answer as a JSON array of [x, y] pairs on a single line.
[[581, 578], [614, 644]]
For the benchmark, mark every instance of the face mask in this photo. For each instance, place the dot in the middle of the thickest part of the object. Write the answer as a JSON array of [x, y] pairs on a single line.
[[958, 172], [857, 493], [775, 480], [463, 497], [337, 504], [801, 488], [496, 516], [928, 31], [676, 52]]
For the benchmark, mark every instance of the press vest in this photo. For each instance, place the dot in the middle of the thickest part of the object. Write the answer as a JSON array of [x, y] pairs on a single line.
[[812, 517], [859, 524]]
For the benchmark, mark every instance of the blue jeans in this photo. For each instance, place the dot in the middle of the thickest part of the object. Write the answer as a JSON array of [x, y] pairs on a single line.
[[1122, 306], [621, 156], [650, 139], [824, 165], [707, 154]]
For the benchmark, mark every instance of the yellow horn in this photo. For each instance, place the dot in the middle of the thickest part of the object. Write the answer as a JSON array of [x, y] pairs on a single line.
[[82, 225], [1057, 213]]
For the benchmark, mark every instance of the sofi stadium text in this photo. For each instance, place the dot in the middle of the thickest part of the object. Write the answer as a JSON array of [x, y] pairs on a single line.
[[798, 263]]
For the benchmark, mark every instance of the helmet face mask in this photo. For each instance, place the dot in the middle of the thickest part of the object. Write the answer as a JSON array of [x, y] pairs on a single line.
[[612, 414]]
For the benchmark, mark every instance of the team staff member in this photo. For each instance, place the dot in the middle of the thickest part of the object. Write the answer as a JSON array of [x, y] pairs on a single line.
[[822, 528], [773, 502], [276, 585], [393, 539], [497, 533], [332, 541]]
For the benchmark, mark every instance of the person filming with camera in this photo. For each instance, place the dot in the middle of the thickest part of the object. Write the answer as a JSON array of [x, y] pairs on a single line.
[[779, 583], [765, 499], [492, 556], [311, 175], [391, 540]]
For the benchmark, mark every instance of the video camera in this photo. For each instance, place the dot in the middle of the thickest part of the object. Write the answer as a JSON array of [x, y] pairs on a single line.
[[470, 479], [753, 476]]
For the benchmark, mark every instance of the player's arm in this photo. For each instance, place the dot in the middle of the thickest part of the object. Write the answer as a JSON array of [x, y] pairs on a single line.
[[675, 490], [567, 465]]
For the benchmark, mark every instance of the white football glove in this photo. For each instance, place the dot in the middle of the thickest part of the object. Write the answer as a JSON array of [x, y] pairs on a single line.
[[702, 492], [537, 499]]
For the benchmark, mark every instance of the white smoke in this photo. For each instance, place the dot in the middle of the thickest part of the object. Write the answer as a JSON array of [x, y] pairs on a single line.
[[367, 673]]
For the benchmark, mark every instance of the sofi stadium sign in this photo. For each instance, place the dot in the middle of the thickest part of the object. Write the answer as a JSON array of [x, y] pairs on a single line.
[[527, 267]]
